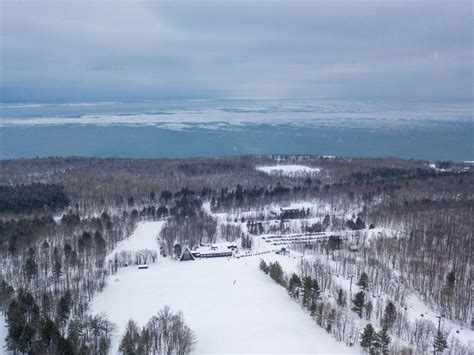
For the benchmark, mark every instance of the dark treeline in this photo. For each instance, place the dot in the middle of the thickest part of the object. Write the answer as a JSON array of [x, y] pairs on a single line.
[[30, 198]]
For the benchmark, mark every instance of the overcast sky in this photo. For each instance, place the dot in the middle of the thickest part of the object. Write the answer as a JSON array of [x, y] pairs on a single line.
[[66, 50]]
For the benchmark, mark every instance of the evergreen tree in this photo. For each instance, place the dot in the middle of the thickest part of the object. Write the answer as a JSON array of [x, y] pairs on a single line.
[[31, 268], [367, 337], [276, 272], [57, 270], [65, 347], [316, 291], [440, 343], [358, 303], [64, 308], [390, 315], [359, 224], [368, 310], [451, 280], [144, 342], [382, 341], [341, 298], [130, 341], [363, 282], [307, 288], [293, 286], [23, 319], [49, 333], [264, 267]]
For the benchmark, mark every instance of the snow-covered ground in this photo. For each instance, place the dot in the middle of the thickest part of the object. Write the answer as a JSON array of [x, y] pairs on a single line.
[[288, 170], [417, 309], [253, 315], [144, 237], [3, 333]]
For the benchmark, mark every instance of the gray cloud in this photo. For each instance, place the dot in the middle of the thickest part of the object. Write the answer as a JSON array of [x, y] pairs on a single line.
[[352, 49]]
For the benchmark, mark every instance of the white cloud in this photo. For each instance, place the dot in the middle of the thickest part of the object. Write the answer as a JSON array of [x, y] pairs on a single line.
[[186, 48]]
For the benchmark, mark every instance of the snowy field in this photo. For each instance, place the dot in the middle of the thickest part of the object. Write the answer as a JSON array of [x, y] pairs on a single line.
[[254, 315], [144, 237], [288, 170]]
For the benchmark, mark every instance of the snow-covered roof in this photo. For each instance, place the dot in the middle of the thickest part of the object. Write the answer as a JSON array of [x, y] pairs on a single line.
[[286, 209], [217, 248]]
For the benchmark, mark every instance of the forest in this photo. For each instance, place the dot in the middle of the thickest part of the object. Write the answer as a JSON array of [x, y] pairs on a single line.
[[61, 218]]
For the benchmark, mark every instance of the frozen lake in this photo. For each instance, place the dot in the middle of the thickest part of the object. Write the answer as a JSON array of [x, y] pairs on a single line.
[[170, 128]]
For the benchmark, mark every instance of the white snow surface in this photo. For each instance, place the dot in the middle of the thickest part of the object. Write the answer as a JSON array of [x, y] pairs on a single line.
[[144, 237], [288, 170], [254, 315], [3, 333]]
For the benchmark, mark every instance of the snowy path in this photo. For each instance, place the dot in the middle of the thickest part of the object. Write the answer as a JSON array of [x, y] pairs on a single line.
[[255, 315]]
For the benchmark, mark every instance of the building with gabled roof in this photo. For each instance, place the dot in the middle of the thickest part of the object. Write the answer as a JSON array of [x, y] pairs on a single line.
[[187, 255]]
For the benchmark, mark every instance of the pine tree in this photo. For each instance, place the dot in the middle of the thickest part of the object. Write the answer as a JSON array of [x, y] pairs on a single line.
[[49, 333], [368, 310], [130, 341], [390, 315], [451, 279], [31, 268], [440, 342], [363, 282], [293, 286], [64, 308], [382, 341], [358, 303], [276, 272], [359, 224], [57, 270], [316, 291], [341, 298], [367, 337], [65, 347], [23, 321], [307, 285]]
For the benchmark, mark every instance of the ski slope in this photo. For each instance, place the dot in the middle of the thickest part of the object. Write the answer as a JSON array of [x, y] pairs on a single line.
[[252, 315], [144, 237]]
